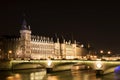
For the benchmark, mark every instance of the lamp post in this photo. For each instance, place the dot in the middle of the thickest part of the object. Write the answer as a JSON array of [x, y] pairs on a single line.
[[101, 53], [109, 52], [9, 53]]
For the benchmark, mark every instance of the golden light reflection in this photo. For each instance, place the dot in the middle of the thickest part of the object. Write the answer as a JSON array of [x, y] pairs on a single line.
[[37, 75], [52, 78], [17, 77], [10, 78], [14, 77]]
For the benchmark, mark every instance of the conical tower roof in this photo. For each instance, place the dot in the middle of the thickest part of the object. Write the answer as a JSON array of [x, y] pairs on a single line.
[[24, 25]]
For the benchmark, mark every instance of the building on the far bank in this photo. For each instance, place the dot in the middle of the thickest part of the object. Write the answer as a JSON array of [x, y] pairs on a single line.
[[38, 47]]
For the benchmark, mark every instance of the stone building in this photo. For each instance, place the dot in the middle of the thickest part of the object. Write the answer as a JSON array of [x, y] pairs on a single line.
[[37, 47]]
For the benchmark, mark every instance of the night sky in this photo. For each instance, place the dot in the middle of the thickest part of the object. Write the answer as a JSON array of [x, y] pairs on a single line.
[[94, 23]]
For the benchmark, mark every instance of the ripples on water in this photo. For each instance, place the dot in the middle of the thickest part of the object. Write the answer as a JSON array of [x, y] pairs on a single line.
[[40, 74]]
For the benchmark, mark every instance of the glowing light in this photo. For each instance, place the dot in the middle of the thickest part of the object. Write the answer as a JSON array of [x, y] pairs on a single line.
[[52, 78], [14, 77], [82, 45], [117, 70], [49, 62], [10, 78], [37, 75], [101, 51], [98, 59], [99, 65], [10, 51], [17, 77], [109, 52]]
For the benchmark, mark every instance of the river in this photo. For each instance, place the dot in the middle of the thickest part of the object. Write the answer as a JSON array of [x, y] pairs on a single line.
[[40, 74]]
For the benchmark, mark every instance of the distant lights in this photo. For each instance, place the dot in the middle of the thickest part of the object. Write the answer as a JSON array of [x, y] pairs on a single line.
[[101, 51], [109, 52], [105, 52], [82, 45], [10, 51]]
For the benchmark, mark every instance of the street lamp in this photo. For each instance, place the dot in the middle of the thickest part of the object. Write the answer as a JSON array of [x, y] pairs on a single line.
[[9, 53], [109, 52], [82, 45], [101, 51]]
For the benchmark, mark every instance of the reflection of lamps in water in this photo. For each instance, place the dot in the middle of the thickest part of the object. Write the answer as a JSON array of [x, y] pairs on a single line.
[[14, 77], [10, 78], [38, 75], [17, 77], [52, 77]]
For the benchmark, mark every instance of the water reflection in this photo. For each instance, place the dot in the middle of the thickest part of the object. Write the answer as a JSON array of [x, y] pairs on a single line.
[[14, 77], [83, 75], [52, 78], [40, 74], [34, 74], [72, 75], [79, 75], [117, 76], [37, 75]]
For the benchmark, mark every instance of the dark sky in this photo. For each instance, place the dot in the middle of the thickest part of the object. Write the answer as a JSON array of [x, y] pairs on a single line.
[[94, 23]]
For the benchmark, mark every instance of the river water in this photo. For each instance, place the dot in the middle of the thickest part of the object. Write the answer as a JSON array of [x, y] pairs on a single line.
[[40, 74]]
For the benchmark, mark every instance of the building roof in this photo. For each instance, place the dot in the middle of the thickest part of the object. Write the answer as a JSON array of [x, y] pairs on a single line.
[[25, 26]]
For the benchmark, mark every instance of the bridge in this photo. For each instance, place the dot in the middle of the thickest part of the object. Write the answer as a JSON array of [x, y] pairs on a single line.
[[58, 65]]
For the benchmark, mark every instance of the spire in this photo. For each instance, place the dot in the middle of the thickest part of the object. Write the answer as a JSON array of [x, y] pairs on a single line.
[[24, 25]]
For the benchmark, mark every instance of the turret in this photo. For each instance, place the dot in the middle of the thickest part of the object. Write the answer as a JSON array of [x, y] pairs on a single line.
[[25, 33], [25, 26]]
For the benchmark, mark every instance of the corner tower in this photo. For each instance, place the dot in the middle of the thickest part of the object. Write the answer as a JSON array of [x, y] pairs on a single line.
[[25, 35]]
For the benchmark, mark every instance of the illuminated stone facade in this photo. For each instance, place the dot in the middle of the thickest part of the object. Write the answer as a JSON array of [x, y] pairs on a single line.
[[39, 47]]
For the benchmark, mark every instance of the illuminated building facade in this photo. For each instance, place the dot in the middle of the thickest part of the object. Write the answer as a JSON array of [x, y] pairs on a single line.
[[38, 47]]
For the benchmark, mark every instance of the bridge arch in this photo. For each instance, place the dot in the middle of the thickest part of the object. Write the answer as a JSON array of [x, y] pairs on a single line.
[[115, 69], [27, 65], [69, 66]]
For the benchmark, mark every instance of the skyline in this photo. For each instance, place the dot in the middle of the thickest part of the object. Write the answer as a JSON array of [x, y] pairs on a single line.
[[97, 24]]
